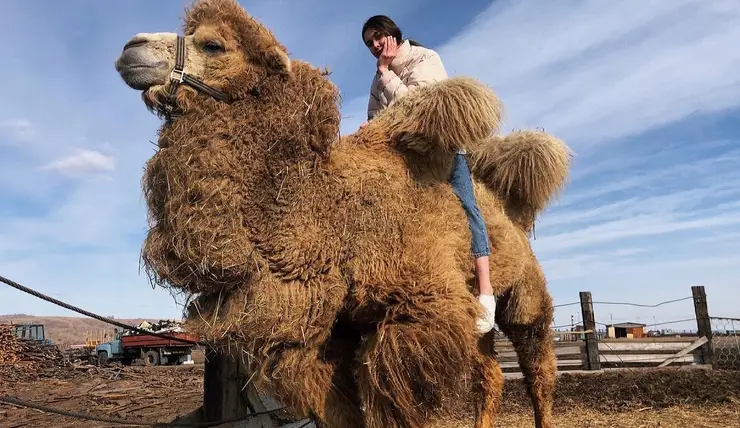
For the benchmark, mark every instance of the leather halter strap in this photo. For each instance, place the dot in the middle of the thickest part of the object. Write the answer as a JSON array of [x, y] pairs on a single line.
[[178, 77]]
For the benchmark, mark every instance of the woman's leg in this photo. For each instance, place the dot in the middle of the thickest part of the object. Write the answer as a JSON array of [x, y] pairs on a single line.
[[462, 185]]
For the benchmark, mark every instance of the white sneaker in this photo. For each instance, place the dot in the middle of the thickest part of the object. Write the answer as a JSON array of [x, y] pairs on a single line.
[[488, 321]]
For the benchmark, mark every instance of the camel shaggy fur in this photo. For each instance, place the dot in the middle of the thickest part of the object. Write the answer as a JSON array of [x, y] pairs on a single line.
[[341, 268]]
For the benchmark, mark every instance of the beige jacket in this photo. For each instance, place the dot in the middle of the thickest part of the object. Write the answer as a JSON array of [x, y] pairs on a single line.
[[412, 67]]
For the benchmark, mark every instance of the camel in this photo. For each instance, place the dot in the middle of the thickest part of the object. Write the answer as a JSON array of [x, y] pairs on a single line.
[[340, 266]]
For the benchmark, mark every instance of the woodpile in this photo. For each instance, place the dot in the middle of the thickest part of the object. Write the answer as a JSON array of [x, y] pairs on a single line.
[[9, 346], [14, 350]]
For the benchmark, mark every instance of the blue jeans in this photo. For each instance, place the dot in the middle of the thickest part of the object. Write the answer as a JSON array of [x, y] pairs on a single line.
[[462, 185]]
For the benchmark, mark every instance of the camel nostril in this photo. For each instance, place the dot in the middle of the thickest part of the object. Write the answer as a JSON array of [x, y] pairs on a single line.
[[134, 42]]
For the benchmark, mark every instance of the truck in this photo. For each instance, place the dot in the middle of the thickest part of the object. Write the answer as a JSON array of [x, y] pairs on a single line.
[[153, 350]]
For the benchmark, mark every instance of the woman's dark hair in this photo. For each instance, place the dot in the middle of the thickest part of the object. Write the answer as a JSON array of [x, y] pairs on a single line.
[[385, 26]]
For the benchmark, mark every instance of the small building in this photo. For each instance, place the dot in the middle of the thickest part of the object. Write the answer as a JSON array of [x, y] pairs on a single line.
[[626, 330]]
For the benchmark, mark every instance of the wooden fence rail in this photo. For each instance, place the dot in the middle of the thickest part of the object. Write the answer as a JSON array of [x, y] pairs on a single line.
[[590, 350]]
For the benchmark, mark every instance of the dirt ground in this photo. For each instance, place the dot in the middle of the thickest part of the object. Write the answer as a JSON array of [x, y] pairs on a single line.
[[664, 399], [674, 417]]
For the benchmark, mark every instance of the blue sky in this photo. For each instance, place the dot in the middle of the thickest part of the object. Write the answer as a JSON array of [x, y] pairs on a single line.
[[647, 93]]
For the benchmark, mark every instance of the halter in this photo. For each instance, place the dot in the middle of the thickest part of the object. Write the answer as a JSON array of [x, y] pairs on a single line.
[[178, 77]]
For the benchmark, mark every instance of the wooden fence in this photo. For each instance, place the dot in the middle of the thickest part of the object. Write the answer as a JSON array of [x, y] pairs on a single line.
[[614, 353], [590, 350]]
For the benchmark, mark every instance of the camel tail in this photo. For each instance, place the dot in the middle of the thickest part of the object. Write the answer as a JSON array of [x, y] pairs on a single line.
[[525, 169]]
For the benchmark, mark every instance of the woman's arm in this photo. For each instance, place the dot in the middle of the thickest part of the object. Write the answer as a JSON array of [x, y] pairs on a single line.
[[373, 105], [429, 70]]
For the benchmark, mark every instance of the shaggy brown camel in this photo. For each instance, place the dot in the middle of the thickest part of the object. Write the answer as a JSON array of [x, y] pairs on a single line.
[[340, 267]]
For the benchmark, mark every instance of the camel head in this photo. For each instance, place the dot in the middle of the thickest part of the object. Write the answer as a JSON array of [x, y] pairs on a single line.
[[224, 48], [226, 160]]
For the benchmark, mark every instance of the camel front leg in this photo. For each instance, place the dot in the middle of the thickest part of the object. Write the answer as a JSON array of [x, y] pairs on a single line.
[[489, 386], [288, 331], [424, 347], [316, 383]]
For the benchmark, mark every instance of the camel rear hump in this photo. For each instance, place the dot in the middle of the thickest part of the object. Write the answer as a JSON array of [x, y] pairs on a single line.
[[526, 170]]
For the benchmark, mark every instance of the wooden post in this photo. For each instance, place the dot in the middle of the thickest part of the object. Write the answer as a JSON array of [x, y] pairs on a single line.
[[224, 393], [704, 325], [589, 325]]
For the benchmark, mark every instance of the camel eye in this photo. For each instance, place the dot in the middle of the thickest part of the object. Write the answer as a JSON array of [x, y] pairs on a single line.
[[212, 47]]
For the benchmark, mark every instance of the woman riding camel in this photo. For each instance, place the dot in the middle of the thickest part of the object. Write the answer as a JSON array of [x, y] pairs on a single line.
[[402, 66]]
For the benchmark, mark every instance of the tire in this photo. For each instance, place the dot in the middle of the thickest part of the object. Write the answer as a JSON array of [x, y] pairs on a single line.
[[102, 358], [151, 358]]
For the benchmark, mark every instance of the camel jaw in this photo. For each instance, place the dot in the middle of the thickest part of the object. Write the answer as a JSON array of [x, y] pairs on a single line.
[[139, 71]]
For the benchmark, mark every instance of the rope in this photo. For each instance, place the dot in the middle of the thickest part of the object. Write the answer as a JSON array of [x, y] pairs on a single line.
[[643, 306], [85, 416], [563, 305], [639, 305], [92, 315], [654, 324]]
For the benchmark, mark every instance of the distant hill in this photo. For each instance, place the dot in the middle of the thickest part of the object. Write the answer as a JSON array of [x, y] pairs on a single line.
[[65, 331]]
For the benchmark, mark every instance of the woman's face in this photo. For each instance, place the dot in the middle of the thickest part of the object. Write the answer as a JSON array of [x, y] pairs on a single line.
[[374, 42]]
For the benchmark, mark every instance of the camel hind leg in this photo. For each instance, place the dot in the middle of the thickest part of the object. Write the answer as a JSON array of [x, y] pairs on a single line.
[[524, 314]]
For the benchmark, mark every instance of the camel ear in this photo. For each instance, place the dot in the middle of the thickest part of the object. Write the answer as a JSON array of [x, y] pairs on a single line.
[[277, 60]]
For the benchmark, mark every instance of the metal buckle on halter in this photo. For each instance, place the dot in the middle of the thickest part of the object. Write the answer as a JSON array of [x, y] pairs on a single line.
[[174, 75]]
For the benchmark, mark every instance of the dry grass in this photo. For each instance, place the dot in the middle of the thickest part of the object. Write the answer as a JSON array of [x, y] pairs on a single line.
[[628, 389], [674, 417], [624, 392], [630, 399]]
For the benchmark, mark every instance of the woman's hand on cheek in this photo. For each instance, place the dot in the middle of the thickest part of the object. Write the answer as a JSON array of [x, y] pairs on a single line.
[[390, 49]]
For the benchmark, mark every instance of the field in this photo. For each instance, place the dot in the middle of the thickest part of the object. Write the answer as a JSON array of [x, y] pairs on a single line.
[[65, 331], [631, 398]]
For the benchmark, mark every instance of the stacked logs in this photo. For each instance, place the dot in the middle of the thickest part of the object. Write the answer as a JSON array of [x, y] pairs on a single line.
[[14, 350], [10, 349]]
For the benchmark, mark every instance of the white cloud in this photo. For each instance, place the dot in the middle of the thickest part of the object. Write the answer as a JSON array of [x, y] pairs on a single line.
[[18, 128], [84, 161]]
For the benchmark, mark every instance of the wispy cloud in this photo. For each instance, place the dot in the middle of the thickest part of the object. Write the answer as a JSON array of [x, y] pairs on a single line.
[[84, 161], [633, 91], [593, 72], [17, 128]]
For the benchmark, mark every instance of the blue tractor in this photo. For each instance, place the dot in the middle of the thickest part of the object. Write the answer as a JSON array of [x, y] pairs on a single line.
[[31, 331]]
